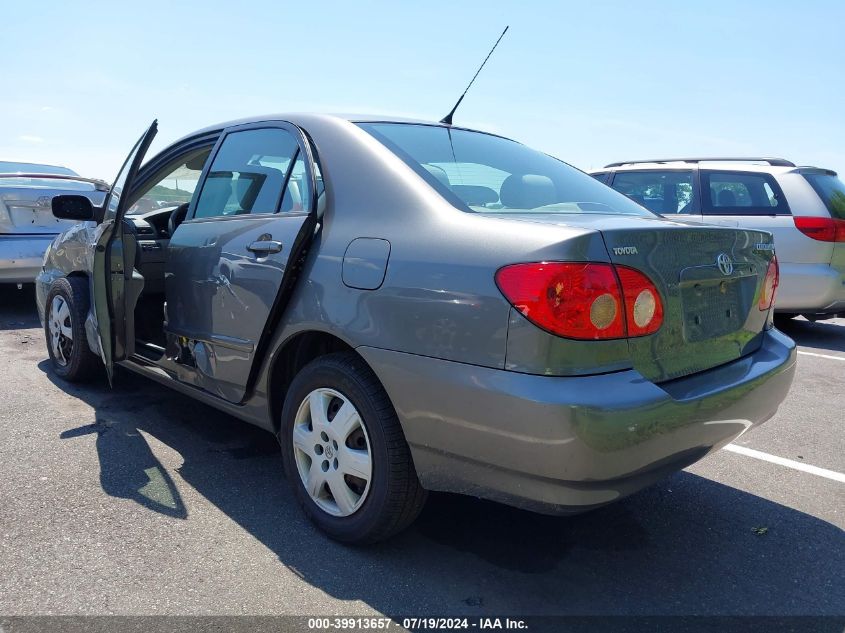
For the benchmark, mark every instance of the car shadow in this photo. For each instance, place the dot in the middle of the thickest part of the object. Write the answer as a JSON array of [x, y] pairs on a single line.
[[823, 335], [19, 311], [686, 546]]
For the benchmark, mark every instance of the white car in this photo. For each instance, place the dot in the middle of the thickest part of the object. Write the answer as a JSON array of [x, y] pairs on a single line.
[[803, 207], [27, 223]]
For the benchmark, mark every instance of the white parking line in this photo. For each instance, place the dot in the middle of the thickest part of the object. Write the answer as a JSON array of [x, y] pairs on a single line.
[[821, 355], [813, 470]]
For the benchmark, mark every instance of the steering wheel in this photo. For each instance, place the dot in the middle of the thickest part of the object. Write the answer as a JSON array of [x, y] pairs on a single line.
[[176, 217]]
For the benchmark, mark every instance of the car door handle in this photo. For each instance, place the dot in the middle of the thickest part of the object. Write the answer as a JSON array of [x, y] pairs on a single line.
[[265, 247]]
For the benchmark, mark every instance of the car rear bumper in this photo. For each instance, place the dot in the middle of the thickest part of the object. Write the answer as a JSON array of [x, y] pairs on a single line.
[[21, 256], [810, 289], [568, 444]]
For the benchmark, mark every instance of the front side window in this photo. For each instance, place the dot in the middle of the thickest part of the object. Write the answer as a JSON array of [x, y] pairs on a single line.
[[248, 174], [741, 193], [831, 190], [174, 186], [480, 172], [666, 192]]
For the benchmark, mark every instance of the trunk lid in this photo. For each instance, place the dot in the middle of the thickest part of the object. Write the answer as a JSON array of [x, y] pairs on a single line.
[[25, 203], [711, 313]]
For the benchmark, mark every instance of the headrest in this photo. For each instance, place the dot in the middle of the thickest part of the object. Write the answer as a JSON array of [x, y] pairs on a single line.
[[527, 191], [727, 198], [475, 195], [439, 173]]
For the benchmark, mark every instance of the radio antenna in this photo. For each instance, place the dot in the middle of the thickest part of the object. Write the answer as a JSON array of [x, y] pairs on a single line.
[[448, 118]]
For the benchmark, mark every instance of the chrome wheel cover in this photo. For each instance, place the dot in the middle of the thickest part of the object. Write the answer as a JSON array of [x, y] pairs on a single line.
[[60, 325], [332, 452]]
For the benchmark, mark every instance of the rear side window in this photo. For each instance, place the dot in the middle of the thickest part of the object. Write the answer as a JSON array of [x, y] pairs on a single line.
[[248, 174], [666, 192], [831, 190], [741, 193]]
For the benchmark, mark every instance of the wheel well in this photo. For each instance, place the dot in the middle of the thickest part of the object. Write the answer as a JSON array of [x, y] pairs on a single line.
[[295, 354], [79, 274]]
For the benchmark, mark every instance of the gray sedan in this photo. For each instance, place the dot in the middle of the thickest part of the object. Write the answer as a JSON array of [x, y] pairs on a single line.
[[412, 306]]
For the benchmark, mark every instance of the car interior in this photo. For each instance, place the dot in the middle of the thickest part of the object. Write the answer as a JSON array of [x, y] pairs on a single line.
[[155, 212]]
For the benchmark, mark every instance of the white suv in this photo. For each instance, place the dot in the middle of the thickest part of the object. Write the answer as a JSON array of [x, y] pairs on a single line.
[[804, 207]]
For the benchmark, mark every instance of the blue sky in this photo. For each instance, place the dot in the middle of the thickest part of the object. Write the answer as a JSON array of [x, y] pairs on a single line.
[[589, 82]]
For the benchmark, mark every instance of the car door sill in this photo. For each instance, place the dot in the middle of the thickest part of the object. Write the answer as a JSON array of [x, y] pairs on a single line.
[[146, 367]]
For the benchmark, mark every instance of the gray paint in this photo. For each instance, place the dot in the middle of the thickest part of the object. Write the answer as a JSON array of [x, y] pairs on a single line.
[[437, 331], [365, 263], [220, 294], [564, 444]]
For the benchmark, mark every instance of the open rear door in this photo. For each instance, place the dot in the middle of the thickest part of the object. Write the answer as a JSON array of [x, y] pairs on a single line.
[[116, 283]]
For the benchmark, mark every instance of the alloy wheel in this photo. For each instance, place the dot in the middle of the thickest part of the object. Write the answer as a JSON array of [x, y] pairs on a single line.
[[332, 452], [61, 330]]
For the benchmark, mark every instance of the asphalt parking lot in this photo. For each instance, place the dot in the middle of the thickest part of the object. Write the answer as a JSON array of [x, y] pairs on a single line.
[[135, 500]]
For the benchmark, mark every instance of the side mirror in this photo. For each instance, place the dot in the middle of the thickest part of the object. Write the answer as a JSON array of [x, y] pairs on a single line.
[[73, 207]]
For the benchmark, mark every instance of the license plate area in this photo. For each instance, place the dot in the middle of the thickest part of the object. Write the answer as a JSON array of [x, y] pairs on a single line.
[[713, 308], [33, 218]]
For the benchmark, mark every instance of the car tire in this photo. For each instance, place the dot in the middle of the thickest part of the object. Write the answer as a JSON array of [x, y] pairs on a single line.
[[65, 312], [333, 442]]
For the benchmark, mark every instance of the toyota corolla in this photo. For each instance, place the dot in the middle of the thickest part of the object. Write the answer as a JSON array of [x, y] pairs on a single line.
[[414, 306]]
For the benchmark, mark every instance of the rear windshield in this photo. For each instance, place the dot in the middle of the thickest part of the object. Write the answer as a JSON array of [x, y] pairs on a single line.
[[831, 190], [31, 168], [480, 172]]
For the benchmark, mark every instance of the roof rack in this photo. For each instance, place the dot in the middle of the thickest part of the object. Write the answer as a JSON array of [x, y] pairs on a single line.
[[774, 162]]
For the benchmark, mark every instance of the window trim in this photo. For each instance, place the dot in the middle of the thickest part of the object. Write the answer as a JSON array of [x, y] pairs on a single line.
[[695, 202], [708, 211], [304, 149]]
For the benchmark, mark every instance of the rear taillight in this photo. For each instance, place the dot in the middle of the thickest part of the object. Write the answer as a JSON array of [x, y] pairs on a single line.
[[587, 301], [821, 229], [643, 308], [770, 285]]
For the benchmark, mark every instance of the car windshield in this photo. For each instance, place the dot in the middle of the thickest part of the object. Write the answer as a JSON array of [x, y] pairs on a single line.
[[480, 172], [7, 167], [831, 190]]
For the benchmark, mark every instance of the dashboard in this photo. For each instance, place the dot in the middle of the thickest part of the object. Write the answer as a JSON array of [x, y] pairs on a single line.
[[152, 224]]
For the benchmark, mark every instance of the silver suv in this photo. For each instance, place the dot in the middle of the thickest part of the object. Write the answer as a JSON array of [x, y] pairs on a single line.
[[804, 207]]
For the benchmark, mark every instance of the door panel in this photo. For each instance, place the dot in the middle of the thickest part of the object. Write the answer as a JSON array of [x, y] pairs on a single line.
[[220, 294], [229, 262], [116, 283]]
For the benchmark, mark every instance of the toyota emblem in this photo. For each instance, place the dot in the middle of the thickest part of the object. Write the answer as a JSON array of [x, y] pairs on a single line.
[[725, 264]]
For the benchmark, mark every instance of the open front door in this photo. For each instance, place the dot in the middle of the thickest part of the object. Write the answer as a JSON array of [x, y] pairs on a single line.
[[116, 283]]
